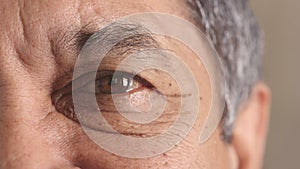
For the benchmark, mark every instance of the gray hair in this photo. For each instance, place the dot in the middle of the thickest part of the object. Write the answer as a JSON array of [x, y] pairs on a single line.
[[233, 30]]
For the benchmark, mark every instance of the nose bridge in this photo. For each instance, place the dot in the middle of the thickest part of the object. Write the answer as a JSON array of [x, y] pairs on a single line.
[[23, 142], [22, 147], [20, 141], [23, 104], [25, 98]]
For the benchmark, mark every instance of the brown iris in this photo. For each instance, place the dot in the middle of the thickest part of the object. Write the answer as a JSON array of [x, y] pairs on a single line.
[[115, 82]]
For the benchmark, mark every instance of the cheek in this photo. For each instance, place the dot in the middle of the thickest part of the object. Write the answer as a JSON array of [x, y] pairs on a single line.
[[188, 154], [71, 141], [144, 113], [91, 156]]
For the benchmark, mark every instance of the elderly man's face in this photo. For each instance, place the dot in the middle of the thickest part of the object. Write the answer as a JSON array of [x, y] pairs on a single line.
[[37, 52]]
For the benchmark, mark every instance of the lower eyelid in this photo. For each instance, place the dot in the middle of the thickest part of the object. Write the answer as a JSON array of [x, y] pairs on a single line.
[[65, 105], [123, 126]]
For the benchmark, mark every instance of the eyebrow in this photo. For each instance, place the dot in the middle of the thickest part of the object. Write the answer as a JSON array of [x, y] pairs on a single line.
[[133, 38], [66, 46], [80, 38], [124, 38], [138, 38]]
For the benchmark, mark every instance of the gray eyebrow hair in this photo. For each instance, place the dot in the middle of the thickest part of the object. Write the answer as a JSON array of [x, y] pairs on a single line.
[[125, 38], [69, 43], [137, 38]]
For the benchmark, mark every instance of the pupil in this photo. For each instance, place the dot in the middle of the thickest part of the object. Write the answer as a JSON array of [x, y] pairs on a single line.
[[120, 83], [113, 81], [111, 84]]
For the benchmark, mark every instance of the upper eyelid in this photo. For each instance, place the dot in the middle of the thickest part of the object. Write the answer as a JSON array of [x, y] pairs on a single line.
[[136, 77], [140, 39], [70, 43], [122, 38]]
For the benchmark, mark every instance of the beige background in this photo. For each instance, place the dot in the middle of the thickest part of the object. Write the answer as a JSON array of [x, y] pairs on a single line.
[[280, 20]]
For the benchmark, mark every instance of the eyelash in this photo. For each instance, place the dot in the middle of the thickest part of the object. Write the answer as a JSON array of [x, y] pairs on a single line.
[[126, 80], [62, 98]]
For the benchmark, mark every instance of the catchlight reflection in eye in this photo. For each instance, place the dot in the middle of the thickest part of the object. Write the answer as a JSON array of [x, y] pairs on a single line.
[[116, 82]]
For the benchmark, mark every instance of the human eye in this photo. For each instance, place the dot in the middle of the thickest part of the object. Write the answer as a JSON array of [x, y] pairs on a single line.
[[119, 91], [106, 85], [116, 82], [134, 89]]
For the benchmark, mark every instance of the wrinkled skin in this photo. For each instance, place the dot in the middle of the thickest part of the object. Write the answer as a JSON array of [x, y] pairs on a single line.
[[33, 134]]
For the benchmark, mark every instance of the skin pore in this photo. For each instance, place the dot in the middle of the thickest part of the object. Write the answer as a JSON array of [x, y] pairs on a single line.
[[36, 51]]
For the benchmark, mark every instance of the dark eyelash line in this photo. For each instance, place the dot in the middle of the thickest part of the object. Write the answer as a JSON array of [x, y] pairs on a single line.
[[138, 78]]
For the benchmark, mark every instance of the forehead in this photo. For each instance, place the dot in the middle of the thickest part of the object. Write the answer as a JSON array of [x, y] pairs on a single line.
[[32, 27], [30, 16]]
